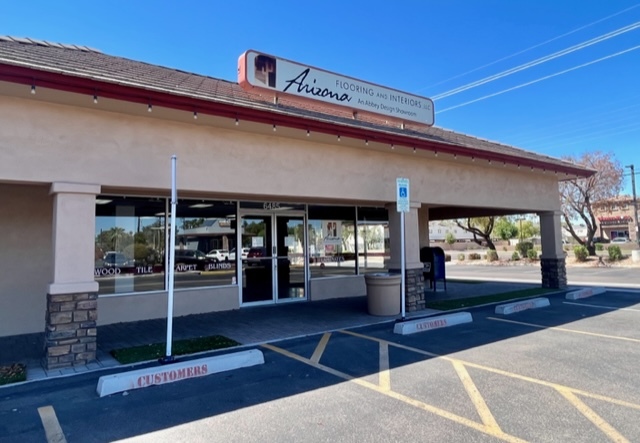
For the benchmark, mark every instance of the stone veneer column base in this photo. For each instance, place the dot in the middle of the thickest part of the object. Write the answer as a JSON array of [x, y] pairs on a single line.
[[414, 289], [554, 273], [70, 338]]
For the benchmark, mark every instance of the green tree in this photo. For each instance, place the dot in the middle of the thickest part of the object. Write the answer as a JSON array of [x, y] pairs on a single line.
[[529, 229], [481, 228], [505, 228]]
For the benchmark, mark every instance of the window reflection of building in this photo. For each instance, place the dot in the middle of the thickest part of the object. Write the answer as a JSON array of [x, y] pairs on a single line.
[[131, 233], [265, 70]]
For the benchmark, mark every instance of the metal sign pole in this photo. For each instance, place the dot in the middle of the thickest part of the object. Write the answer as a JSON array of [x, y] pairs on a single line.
[[402, 205], [171, 251], [402, 265]]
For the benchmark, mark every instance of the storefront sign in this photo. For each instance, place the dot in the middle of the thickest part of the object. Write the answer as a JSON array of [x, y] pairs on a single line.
[[256, 70]]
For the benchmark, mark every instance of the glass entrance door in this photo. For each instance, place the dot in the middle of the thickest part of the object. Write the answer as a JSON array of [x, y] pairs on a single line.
[[290, 263], [274, 268], [257, 266]]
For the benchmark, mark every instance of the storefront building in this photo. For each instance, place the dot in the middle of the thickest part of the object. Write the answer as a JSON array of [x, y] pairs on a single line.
[[616, 218], [281, 198]]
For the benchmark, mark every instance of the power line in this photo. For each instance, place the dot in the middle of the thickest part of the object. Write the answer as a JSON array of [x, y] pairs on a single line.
[[569, 129], [539, 79], [538, 61], [531, 47]]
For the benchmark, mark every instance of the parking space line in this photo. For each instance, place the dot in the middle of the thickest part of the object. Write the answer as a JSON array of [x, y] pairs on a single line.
[[594, 418], [554, 328], [476, 398], [600, 306], [408, 400], [384, 374], [501, 372], [317, 354], [52, 428]]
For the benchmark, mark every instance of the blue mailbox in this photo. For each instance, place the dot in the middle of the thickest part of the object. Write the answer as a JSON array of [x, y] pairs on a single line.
[[433, 260]]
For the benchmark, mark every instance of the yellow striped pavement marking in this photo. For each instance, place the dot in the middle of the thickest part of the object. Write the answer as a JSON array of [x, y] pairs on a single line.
[[51, 425], [384, 375], [553, 328], [408, 400], [476, 398], [594, 418], [501, 372], [317, 354]]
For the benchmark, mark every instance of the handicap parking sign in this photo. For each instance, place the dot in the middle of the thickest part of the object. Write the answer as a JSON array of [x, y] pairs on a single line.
[[402, 194]]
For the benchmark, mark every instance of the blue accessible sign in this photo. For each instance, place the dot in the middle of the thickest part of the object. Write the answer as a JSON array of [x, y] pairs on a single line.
[[402, 194]]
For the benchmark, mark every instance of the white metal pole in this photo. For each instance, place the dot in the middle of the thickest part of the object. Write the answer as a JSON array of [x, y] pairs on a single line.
[[402, 265], [172, 252]]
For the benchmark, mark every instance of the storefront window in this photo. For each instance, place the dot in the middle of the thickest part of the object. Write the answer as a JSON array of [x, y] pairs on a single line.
[[332, 241], [373, 239], [131, 234]]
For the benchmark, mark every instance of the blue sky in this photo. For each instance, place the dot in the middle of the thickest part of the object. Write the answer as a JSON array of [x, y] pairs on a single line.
[[424, 47]]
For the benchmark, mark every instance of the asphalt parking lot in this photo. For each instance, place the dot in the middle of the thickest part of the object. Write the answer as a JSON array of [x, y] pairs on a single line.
[[567, 372]]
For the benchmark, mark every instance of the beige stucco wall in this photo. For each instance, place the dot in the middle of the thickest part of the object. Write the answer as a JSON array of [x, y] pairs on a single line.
[[25, 257], [45, 143], [338, 287], [126, 308], [109, 149]]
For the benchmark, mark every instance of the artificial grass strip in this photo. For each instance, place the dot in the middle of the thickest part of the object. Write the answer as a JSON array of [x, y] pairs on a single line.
[[466, 282], [447, 305], [179, 347], [13, 373]]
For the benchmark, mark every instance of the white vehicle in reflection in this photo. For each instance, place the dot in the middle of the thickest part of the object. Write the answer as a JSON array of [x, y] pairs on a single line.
[[219, 254], [244, 253]]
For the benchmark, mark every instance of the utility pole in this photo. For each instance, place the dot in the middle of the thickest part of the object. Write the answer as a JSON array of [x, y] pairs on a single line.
[[635, 203]]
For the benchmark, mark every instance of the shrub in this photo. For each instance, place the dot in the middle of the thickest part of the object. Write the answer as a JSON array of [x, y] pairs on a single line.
[[515, 256], [492, 256], [450, 238], [615, 253], [532, 254], [447, 257], [599, 247], [460, 257], [580, 252], [523, 247], [474, 256]]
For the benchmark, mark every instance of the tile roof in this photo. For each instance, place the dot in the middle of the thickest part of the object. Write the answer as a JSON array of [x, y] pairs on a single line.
[[82, 62]]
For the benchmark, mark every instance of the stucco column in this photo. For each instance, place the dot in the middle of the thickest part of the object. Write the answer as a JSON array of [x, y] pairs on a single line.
[[414, 280], [423, 226], [553, 258], [70, 333]]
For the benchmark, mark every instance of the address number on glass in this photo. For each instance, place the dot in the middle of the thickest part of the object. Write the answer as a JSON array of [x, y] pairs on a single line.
[[271, 205]]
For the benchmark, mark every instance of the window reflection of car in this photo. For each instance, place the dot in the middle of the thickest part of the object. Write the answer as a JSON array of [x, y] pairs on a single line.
[[114, 259], [244, 253], [255, 256], [192, 257], [219, 254]]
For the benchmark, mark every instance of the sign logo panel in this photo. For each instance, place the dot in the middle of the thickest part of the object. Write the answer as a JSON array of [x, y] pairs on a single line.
[[257, 70]]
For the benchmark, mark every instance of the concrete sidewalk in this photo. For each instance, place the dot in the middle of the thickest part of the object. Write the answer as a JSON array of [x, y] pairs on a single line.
[[248, 326]]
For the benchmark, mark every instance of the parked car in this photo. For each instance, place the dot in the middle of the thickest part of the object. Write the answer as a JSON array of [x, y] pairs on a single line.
[[255, 256], [620, 240], [113, 259], [195, 257], [244, 252], [219, 254]]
